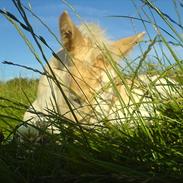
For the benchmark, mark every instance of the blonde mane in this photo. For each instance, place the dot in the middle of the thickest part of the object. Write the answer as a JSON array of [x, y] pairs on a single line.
[[95, 33]]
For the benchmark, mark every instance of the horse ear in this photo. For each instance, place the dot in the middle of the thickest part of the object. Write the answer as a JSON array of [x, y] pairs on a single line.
[[123, 46], [71, 36]]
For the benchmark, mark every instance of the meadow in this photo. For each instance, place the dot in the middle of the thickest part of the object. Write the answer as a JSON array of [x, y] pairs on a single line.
[[14, 96], [112, 153]]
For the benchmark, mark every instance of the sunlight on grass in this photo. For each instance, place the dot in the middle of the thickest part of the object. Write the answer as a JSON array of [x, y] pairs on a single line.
[[134, 149]]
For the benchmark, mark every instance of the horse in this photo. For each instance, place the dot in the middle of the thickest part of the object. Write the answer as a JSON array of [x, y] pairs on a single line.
[[82, 83]]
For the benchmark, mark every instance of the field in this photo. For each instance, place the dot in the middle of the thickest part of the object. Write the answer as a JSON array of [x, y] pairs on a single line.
[[15, 96], [150, 153]]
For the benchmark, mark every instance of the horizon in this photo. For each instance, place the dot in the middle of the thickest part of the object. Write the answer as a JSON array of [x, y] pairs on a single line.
[[13, 48]]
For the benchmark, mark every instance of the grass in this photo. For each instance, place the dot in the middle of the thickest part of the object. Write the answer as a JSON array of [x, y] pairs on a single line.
[[15, 96], [113, 153]]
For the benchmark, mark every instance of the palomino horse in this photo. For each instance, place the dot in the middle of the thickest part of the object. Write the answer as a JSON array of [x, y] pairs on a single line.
[[82, 82]]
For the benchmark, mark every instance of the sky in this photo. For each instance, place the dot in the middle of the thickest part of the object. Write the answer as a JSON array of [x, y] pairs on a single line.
[[14, 49]]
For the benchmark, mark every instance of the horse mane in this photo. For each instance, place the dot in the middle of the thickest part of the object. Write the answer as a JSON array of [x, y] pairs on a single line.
[[95, 33]]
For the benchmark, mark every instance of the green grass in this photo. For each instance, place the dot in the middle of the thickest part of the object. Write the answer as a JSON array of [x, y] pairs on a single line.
[[15, 96], [151, 152]]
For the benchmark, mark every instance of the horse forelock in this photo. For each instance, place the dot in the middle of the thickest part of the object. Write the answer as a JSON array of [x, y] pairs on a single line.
[[95, 33]]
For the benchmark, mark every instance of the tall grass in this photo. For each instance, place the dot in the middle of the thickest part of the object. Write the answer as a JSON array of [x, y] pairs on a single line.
[[111, 153]]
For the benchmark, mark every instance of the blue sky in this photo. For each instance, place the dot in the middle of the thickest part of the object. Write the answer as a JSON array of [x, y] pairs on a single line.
[[13, 48]]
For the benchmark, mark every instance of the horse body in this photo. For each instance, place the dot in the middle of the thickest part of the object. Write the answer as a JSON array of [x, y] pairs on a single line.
[[81, 78]]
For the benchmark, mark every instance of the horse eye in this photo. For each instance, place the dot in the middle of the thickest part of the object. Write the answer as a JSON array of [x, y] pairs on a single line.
[[78, 101]]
